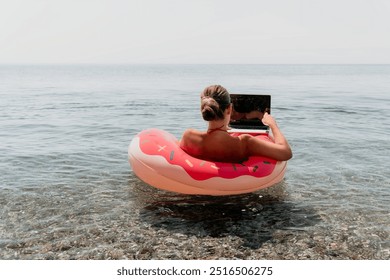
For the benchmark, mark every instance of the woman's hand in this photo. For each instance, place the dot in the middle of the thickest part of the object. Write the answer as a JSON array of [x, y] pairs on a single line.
[[268, 120]]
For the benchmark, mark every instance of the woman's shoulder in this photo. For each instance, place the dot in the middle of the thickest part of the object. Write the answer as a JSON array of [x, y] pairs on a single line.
[[189, 132], [191, 135]]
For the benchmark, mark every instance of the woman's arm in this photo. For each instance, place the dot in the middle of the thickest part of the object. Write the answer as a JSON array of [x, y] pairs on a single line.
[[280, 150]]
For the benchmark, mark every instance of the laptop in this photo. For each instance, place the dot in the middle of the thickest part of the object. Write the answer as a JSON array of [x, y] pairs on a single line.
[[248, 110]]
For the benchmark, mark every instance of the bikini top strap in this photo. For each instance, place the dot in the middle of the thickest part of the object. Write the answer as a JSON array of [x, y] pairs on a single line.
[[216, 129]]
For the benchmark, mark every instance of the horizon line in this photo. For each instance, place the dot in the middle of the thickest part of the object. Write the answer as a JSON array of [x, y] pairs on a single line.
[[147, 63]]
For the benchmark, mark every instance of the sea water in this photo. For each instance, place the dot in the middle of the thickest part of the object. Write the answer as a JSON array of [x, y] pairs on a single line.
[[68, 192]]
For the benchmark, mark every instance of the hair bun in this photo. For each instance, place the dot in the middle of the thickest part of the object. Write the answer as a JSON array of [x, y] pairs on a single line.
[[214, 101], [210, 109]]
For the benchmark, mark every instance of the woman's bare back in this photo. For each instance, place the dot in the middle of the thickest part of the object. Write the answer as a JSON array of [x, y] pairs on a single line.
[[216, 146]]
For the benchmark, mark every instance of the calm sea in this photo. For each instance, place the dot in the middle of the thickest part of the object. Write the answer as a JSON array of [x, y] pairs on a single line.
[[68, 192]]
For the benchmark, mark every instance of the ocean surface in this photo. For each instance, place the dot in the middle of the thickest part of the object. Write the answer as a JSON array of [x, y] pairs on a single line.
[[67, 190]]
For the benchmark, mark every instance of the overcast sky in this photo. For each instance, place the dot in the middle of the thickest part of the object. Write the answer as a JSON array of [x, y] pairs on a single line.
[[194, 31]]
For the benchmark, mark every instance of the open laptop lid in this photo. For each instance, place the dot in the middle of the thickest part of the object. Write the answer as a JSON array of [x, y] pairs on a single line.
[[248, 110]]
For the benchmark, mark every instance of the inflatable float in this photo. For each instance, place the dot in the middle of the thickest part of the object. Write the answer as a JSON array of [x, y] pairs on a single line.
[[157, 159]]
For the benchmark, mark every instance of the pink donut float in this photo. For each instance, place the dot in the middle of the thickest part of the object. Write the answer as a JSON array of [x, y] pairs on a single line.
[[157, 159]]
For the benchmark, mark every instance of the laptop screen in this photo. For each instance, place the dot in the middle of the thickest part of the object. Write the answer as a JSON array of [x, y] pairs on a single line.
[[248, 110]]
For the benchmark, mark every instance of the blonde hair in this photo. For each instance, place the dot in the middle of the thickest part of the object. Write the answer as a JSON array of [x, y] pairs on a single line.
[[214, 101]]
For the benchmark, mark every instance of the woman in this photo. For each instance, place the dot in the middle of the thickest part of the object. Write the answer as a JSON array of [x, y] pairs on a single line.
[[218, 145]]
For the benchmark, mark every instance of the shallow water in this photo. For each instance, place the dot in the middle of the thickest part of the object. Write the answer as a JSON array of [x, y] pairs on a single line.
[[67, 191]]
